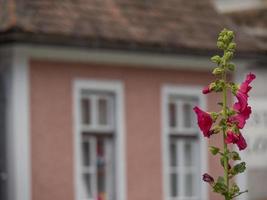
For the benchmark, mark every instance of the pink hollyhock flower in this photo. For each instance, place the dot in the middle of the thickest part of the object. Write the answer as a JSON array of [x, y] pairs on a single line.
[[206, 90], [242, 93], [237, 139], [240, 118], [242, 101], [231, 137], [245, 87], [204, 121]]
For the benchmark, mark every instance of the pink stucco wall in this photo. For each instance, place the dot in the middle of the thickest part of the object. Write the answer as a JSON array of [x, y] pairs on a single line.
[[52, 125]]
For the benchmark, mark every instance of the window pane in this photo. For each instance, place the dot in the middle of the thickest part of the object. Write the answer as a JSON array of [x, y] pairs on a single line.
[[187, 111], [87, 186], [101, 168], [86, 153], [86, 109], [188, 150], [172, 115], [103, 111], [189, 187], [173, 154], [174, 184]]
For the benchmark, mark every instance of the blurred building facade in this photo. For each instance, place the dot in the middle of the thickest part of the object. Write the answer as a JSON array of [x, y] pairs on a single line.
[[251, 17], [96, 98]]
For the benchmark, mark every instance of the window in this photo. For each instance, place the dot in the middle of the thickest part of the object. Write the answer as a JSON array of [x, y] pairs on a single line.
[[99, 142], [183, 146], [97, 145]]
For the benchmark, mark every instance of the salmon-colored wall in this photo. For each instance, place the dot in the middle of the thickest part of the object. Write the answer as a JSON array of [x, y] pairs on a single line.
[[52, 125]]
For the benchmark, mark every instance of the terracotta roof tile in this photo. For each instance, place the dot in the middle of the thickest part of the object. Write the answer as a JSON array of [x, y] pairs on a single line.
[[253, 21], [170, 24]]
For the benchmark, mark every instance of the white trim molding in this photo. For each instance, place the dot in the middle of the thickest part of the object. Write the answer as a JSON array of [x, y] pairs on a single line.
[[184, 91], [119, 58], [225, 6], [18, 127], [117, 88]]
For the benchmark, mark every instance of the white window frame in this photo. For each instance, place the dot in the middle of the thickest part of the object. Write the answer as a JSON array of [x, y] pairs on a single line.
[[166, 92], [117, 88]]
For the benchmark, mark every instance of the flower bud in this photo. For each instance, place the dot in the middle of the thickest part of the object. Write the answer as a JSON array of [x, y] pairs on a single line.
[[217, 71], [207, 178], [228, 55], [220, 45], [231, 67], [232, 46], [225, 38], [216, 59], [214, 150], [206, 90]]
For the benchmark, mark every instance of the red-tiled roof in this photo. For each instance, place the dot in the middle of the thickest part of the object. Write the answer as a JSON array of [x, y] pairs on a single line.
[[169, 25], [253, 21]]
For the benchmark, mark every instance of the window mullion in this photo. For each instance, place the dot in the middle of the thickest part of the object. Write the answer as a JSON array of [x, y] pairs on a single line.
[[180, 154], [109, 168], [94, 112], [111, 113]]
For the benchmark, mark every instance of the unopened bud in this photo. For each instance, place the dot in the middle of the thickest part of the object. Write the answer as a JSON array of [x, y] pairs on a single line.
[[220, 45], [231, 67], [229, 55], [216, 59], [214, 150], [232, 46], [217, 71], [207, 178]]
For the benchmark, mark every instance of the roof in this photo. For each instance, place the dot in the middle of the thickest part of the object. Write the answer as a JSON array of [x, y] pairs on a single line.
[[254, 21], [154, 25]]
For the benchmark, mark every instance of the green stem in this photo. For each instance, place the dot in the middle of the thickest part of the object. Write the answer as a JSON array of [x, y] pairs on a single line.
[[240, 193], [226, 171]]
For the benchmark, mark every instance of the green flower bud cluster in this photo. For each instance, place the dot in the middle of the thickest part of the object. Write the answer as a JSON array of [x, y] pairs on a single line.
[[225, 43]]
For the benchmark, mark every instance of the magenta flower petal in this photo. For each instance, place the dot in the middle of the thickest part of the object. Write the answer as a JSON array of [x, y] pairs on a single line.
[[242, 101], [242, 93], [236, 138], [250, 77], [231, 138], [206, 90], [245, 87], [241, 143], [240, 118], [204, 121]]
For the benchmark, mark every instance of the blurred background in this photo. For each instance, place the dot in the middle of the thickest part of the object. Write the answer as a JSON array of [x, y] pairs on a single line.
[[96, 97]]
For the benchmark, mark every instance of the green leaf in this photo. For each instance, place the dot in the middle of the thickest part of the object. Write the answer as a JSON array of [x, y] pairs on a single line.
[[222, 161], [237, 169], [220, 186], [214, 116], [230, 112], [214, 150], [223, 123], [234, 156], [231, 67], [234, 87], [234, 190], [220, 104]]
